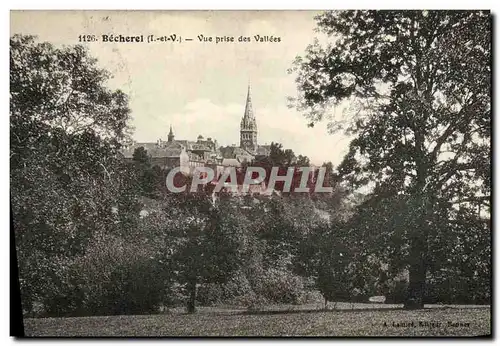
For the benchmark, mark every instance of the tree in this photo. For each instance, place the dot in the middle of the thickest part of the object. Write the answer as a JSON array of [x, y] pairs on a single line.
[[280, 157], [418, 83], [203, 239], [65, 131], [141, 156], [150, 179], [283, 159], [120, 275], [333, 274], [303, 161]]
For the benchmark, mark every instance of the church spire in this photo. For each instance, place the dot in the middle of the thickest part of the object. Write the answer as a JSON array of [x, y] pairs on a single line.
[[248, 106], [170, 134], [248, 127]]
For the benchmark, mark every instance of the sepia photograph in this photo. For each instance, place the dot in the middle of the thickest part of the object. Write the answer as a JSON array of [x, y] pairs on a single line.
[[254, 173]]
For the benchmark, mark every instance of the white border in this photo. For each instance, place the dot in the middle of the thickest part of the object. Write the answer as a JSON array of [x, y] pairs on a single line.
[[187, 4], [254, 4]]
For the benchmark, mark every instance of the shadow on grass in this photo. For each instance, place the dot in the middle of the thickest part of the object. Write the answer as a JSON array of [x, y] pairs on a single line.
[[278, 312], [283, 312]]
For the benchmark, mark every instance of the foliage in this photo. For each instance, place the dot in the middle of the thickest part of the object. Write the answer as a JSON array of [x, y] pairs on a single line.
[[280, 286], [65, 128], [150, 179], [418, 85], [97, 235], [118, 277], [204, 240]]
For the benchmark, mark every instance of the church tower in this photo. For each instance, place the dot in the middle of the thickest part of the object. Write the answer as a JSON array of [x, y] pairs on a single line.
[[248, 127], [171, 135]]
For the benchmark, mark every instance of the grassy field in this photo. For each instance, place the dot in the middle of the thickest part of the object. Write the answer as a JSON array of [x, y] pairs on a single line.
[[363, 320]]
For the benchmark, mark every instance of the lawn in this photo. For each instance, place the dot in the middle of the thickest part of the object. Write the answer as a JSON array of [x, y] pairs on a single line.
[[363, 320]]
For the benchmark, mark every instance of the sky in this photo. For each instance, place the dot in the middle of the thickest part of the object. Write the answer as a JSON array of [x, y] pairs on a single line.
[[199, 87]]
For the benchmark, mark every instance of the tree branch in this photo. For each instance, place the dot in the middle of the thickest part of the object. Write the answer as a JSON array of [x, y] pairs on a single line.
[[459, 119]]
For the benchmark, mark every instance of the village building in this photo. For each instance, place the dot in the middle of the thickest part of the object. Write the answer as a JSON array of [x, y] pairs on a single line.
[[188, 154]]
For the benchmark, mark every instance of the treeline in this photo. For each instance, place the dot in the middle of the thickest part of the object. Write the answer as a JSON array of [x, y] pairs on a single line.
[[96, 235]]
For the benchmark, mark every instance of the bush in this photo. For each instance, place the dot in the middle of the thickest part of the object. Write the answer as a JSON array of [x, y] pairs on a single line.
[[313, 297], [238, 285], [457, 289], [175, 295], [210, 294], [272, 286], [280, 286], [46, 286], [228, 293], [251, 301], [120, 277]]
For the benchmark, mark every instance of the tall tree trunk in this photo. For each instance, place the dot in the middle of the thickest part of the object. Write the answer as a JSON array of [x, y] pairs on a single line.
[[191, 303], [416, 287], [417, 213], [418, 260]]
